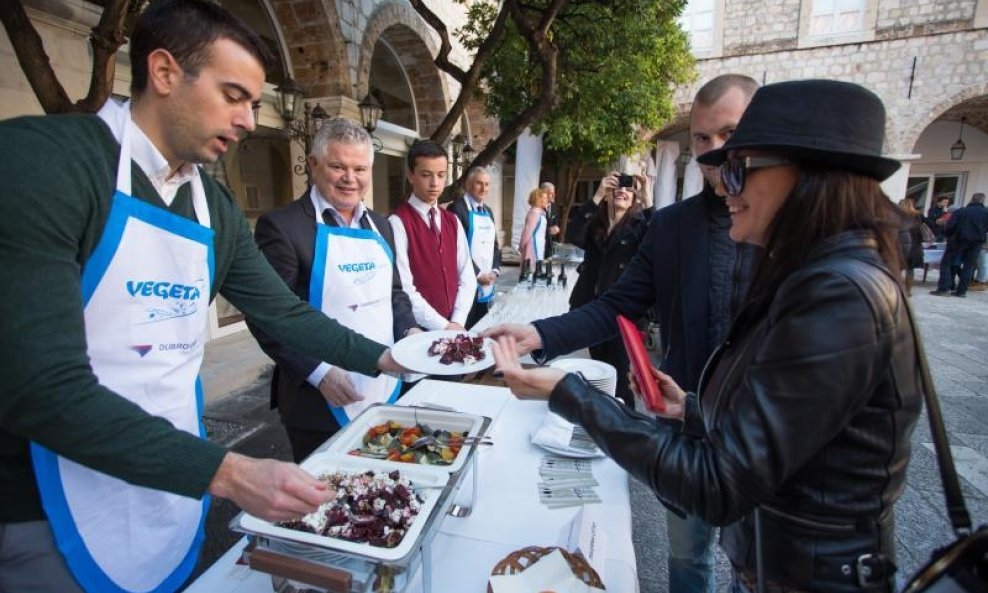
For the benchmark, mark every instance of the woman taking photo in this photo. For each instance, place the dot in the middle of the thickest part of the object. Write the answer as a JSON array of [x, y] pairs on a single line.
[[809, 403], [531, 246], [609, 229]]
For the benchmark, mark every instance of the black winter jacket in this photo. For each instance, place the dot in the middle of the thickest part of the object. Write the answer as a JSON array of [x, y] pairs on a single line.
[[604, 259], [808, 409]]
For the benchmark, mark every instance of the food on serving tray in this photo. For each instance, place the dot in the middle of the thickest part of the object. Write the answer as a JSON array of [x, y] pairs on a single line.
[[373, 507], [458, 348], [396, 442]]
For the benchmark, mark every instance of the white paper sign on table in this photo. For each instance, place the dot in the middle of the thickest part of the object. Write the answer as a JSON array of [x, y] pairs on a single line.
[[587, 536]]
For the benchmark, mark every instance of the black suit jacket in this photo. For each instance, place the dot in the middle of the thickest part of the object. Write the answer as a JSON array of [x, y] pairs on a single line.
[[671, 270], [551, 220], [460, 209], [287, 238]]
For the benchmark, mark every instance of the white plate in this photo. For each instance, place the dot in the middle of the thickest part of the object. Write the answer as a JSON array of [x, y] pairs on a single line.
[[595, 371], [322, 463], [351, 436], [413, 354]]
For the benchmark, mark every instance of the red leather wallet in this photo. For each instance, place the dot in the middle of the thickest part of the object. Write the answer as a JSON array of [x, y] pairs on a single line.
[[641, 365]]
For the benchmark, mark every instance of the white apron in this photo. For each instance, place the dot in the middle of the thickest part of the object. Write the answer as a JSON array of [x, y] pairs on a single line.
[[480, 237], [351, 282], [145, 323], [538, 238]]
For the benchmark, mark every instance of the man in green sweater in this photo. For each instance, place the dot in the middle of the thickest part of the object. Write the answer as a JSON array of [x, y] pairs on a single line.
[[112, 245]]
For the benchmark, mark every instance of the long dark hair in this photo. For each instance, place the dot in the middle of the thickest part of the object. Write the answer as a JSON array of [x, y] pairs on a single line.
[[824, 203], [600, 223]]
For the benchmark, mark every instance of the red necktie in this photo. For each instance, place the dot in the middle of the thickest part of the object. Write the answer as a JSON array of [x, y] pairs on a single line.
[[432, 222]]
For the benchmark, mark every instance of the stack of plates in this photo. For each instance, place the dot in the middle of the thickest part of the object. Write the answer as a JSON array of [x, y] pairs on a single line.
[[599, 374]]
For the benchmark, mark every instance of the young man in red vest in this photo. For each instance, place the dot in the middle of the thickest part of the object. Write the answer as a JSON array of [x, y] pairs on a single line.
[[431, 251]]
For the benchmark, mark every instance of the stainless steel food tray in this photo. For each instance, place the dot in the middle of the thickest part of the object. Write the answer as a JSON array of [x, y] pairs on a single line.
[[333, 565]]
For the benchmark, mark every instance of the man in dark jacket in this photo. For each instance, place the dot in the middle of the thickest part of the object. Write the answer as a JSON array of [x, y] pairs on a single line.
[[934, 213], [551, 218], [966, 234], [477, 219], [337, 254], [696, 277]]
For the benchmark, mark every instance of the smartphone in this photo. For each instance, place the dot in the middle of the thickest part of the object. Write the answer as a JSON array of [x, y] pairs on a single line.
[[640, 365]]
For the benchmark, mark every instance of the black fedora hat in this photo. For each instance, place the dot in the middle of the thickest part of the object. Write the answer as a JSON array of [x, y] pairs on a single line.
[[835, 124]]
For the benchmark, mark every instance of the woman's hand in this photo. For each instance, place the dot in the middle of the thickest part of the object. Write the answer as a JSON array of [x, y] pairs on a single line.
[[643, 190], [607, 185], [535, 383], [525, 337], [673, 396]]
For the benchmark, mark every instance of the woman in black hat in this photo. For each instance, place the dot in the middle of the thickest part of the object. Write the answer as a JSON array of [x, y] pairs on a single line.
[[807, 407]]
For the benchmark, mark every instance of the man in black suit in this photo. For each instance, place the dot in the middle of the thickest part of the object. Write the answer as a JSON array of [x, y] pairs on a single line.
[[477, 219], [339, 256], [551, 218], [696, 277]]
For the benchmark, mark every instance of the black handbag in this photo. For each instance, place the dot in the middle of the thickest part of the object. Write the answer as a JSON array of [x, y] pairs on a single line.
[[962, 565]]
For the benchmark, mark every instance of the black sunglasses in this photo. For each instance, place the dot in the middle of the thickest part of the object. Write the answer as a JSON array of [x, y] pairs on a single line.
[[733, 171]]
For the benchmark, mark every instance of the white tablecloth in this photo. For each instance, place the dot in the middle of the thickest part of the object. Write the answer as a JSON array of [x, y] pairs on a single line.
[[507, 515]]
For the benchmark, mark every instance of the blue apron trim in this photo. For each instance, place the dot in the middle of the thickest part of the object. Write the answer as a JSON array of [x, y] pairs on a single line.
[[340, 413], [124, 207], [318, 276], [470, 214], [81, 563], [48, 477], [535, 243]]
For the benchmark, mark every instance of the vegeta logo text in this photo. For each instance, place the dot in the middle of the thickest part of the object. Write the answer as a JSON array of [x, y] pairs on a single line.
[[166, 300], [362, 271]]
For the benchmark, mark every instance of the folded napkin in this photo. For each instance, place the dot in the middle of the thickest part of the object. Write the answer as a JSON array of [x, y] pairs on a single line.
[[550, 573], [556, 435]]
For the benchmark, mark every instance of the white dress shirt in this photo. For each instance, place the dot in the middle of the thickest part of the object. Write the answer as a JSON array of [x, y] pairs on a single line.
[[466, 287], [146, 154]]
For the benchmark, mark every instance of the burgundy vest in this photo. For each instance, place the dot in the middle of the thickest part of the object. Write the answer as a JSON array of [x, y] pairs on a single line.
[[436, 278]]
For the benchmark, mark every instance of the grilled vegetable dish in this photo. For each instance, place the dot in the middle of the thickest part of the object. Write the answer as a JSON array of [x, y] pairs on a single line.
[[396, 442]]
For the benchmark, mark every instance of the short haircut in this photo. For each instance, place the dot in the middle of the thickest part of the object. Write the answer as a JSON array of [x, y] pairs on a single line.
[[474, 171], [546, 185], [978, 198], [342, 131], [535, 196], [187, 30], [425, 149], [717, 87]]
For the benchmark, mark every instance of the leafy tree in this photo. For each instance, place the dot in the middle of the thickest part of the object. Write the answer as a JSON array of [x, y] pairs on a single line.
[[106, 38], [593, 75]]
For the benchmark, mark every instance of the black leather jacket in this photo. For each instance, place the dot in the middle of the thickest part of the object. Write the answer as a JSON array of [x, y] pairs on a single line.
[[808, 410]]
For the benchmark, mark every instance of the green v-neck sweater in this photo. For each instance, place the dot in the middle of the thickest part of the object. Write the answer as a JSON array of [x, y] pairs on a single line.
[[57, 178]]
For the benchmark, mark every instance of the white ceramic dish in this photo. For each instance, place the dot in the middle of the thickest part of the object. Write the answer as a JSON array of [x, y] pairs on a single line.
[[352, 435], [413, 354], [322, 463]]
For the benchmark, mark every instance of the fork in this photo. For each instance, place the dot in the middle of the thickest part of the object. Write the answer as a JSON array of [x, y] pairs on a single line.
[[431, 440]]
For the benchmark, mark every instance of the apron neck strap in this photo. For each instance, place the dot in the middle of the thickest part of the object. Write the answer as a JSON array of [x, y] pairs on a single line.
[[124, 185]]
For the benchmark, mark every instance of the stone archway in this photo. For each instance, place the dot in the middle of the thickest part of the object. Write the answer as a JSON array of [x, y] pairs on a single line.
[[979, 118], [403, 30], [315, 45]]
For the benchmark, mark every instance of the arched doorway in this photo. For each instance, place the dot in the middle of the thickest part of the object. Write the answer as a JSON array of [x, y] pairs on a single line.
[[939, 173], [401, 75]]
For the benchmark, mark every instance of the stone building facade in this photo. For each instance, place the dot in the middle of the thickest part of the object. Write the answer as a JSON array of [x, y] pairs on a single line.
[[926, 59], [339, 51]]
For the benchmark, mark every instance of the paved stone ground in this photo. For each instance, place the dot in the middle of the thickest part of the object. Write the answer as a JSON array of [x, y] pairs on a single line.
[[956, 335]]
